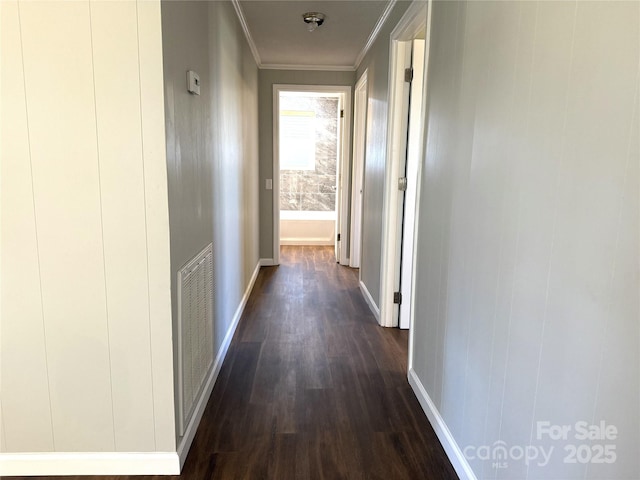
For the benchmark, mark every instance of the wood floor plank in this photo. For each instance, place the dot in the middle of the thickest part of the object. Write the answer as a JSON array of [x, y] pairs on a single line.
[[312, 388]]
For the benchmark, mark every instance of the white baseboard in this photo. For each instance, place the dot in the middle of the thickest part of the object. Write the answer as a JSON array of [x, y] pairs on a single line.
[[113, 463], [79, 463], [451, 448], [267, 262], [369, 299], [190, 432]]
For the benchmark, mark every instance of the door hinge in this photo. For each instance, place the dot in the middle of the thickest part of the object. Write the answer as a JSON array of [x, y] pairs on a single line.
[[408, 75], [402, 184], [341, 113], [338, 237], [397, 298]]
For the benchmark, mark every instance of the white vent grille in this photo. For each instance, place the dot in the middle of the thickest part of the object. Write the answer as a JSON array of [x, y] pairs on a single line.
[[195, 331]]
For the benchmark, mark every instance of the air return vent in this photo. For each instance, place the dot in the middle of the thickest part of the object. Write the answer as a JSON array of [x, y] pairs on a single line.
[[195, 331]]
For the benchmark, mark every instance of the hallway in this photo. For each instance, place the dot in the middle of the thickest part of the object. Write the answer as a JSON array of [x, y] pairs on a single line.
[[313, 388]]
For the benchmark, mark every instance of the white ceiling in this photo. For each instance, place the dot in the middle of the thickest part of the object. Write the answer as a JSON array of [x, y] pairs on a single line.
[[281, 39]]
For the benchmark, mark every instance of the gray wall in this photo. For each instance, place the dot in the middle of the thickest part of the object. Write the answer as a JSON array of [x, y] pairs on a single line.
[[376, 62], [267, 78], [527, 289], [212, 149]]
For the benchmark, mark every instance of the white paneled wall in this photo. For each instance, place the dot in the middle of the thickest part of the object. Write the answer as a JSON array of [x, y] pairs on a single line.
[[23, 338], [86, 316], [528, 290], [66, 186]]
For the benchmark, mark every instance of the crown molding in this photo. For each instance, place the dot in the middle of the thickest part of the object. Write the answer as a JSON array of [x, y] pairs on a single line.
[[374, 33], [247, 33], [326, 68]]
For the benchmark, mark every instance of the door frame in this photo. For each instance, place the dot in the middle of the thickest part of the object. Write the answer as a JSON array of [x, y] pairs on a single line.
[[413, 159], [360, 99], [412, 23], [343, 173]]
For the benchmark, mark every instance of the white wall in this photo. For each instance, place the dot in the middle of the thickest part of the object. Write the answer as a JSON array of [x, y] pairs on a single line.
[[86, 333], [527, 291], [307, 228], [212, 144]]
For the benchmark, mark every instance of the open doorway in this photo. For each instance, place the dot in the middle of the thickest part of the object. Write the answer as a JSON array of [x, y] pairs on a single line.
[[360, 98], [408, 53], [311, 177]]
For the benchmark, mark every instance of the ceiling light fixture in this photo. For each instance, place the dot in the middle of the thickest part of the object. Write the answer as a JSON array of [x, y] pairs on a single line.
[[313, 20]]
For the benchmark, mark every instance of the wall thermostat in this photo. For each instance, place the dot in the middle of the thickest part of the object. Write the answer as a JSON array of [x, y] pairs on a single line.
[[193, 82]]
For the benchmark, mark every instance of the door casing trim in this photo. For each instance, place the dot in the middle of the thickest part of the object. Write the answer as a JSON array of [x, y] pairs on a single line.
[[342, 196], [410, 25]]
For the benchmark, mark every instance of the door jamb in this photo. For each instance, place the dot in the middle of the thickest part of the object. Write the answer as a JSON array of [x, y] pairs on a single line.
[[414, 150], [413, 21], [342, 197], [358, 159]]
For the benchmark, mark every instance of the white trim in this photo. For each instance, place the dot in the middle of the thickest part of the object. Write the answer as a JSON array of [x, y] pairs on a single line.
[[328, 89], [415, 152], [369, 299], [357, 162], [411, 22], [374, 33], [190, 432], [407, 29], [343, 200], [247, 32], [111, 463], [267, 262], [396, 139], [324, 68], [451, 448], [275, 175]]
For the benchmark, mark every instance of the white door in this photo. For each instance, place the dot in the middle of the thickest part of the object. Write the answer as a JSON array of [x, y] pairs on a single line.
[[359, 139], [414, 137], [404, 102], [339, 192]]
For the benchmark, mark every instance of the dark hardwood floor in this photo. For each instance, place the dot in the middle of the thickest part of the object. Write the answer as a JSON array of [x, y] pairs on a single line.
[[313, 388]]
